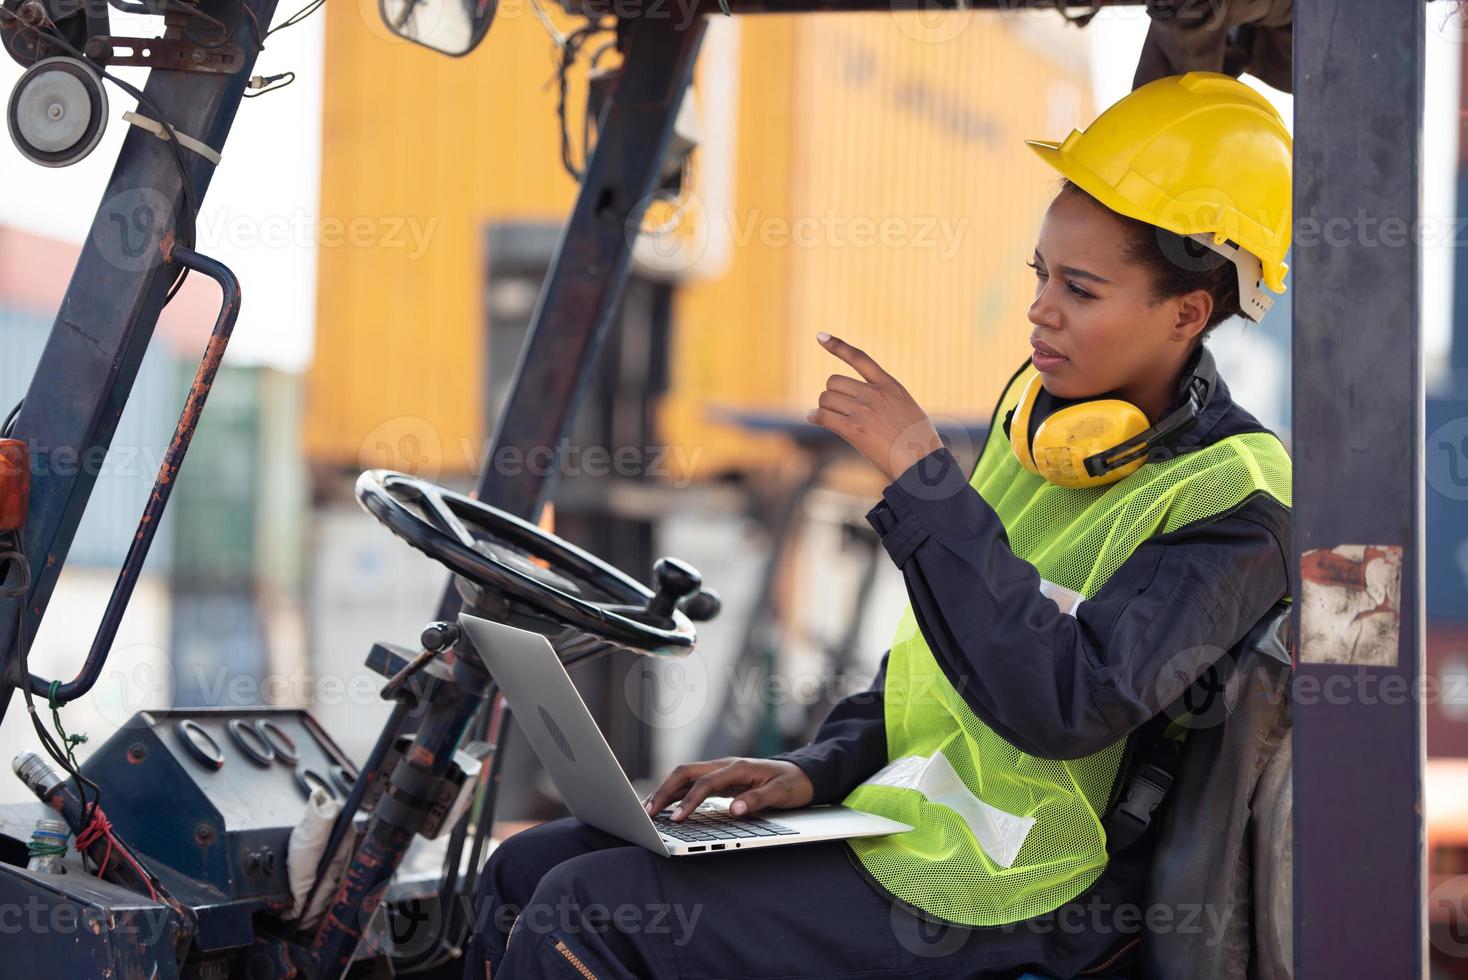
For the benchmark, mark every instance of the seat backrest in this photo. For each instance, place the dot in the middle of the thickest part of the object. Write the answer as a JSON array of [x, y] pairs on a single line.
[[1218, 896], [1274, 864]]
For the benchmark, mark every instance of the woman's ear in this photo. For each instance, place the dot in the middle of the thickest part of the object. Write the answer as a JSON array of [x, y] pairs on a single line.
[[1193, 312]]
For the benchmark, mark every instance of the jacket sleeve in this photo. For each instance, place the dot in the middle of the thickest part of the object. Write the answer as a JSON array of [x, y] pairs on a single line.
[[1060, 684], [850, 745]]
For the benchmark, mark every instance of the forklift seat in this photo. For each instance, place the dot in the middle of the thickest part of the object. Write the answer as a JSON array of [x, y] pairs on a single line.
[[1222, 862], [1223, 859]]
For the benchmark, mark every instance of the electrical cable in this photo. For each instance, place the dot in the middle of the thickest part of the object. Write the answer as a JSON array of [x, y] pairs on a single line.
[[177, 285], [254, 25], [547, 23], [569, 50], [11, 554], [100, 828], [62, 757], [454, 886], [9, 425], [191, 11], [443, 951], [94, 823], [267, 84], [484, 819], [297, 17]]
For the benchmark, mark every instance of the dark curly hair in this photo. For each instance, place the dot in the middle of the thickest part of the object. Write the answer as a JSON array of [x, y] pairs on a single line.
[[1177, 264]]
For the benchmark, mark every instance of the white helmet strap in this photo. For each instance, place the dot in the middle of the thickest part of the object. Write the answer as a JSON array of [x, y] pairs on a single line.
[[1254, 300]]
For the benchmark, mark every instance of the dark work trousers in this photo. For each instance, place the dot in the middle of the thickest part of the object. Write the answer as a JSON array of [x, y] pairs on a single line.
[[568, 901]]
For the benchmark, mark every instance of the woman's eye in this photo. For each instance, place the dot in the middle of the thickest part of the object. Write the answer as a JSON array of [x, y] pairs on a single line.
[[1041, 274]]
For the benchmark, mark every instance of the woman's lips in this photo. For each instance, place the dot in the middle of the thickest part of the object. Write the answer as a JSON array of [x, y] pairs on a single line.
[[1045, 363]]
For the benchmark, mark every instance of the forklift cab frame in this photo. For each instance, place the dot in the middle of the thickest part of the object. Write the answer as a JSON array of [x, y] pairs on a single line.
[[1358, 78]]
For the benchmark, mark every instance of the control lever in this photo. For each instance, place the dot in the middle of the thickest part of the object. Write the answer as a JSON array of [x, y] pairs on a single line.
[[436, 638], [675, 581]]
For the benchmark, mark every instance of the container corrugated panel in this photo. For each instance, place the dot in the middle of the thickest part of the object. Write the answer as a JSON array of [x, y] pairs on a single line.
[[884, 194], [283, 485], [128, 470], [419, 151], [729, 349], [843, 122], [216, 502], [919, 145]]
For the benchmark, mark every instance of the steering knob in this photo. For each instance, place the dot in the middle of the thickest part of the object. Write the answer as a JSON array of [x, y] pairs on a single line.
[[675, 580], [703, 607]]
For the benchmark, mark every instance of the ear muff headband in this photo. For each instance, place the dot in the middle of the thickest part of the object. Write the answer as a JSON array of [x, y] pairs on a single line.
[[1019, 436], [1195, 391]]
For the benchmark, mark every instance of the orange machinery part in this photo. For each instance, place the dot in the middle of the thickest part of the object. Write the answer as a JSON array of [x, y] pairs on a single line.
[[15, 484]]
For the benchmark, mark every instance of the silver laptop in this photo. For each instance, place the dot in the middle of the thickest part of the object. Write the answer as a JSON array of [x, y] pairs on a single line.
[[572, 749]]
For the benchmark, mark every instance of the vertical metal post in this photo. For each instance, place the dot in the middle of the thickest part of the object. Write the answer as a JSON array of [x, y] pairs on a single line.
[[1458, 352], [106, 319], [589, 269], [1358, 489]]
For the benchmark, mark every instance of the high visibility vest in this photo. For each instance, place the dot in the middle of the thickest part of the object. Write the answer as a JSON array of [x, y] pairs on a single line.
[[1000, 835]]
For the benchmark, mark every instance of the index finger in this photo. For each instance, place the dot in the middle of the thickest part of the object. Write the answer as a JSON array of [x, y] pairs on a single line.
[[677, 782], [712, 784], [855, 356]]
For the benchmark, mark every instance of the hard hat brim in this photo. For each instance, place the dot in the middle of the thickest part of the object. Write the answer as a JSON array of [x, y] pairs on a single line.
[[1087, 181], [1047, 151]]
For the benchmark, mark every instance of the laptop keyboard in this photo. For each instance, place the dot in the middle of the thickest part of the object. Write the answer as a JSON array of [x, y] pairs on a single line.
[[702, 825]]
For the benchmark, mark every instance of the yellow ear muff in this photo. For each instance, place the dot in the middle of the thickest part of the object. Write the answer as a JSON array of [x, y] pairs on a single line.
[[1069, 435], [1019, 426]]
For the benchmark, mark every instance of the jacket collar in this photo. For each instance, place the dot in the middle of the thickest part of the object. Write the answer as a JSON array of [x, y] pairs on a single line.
[[1221, 417]]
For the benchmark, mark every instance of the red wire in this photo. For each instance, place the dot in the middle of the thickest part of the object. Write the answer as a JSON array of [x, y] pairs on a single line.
[[101, 828]]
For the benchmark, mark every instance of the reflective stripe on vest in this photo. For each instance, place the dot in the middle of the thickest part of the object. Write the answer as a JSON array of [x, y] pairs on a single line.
[[1066, 599], [1000, 835]]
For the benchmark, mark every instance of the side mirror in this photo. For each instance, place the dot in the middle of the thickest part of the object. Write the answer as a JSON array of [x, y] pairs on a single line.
[[452, 27]]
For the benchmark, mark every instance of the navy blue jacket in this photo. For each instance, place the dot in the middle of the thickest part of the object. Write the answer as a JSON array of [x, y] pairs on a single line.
[[1053, 684]]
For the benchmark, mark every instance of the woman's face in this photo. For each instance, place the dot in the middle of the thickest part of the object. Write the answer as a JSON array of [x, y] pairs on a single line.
[[1095, 309]]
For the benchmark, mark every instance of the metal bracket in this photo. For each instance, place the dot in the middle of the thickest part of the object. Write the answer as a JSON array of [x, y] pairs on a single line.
[[24, 27], [171, 54]]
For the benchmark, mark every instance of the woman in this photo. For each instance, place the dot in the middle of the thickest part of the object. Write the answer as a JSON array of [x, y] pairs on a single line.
[[1125, 525]]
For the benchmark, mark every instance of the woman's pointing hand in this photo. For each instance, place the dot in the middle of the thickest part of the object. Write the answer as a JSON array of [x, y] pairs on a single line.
[[875, 414]]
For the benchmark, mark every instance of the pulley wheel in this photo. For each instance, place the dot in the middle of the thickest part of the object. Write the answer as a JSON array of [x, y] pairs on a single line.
[[58, 111]]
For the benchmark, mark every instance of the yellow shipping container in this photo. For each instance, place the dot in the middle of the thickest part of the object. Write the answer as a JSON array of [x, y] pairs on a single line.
[[874, 184], [429, 148]]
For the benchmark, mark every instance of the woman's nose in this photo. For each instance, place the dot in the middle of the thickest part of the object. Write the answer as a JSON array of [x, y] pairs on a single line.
[[1042, 312]]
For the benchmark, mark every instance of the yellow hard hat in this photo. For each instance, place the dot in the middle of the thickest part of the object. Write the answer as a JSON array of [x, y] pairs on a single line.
[[1201, 155]]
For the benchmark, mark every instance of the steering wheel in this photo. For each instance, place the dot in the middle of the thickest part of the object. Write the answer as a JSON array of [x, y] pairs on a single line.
[[554, 579]]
